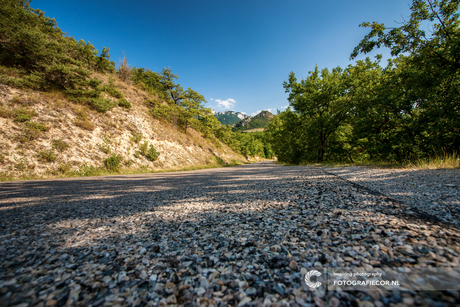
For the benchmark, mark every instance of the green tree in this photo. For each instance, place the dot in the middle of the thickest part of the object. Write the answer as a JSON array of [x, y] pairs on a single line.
[[427, 72], [288, 137], [321, 100], [175, 91], [192, 102]]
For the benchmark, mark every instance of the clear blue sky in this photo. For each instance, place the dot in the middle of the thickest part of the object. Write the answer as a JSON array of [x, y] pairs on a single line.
[[237, 53]]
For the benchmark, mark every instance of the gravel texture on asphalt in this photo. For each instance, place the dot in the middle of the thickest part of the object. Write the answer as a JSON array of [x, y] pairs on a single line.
[[435, 192], [240, 236]]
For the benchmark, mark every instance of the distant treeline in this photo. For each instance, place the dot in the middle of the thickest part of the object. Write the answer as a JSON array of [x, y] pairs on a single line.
[[406, 110]]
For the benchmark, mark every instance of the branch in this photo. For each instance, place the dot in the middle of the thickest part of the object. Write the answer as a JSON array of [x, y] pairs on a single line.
[[439, 19]]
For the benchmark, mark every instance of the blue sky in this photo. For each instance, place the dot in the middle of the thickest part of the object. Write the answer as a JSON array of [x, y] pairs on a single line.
[[236, 53]]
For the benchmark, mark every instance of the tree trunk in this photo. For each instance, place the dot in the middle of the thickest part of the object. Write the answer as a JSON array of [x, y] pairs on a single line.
[[321, 151]]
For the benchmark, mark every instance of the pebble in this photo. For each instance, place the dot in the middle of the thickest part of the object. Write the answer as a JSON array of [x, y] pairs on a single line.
[[293, 265]]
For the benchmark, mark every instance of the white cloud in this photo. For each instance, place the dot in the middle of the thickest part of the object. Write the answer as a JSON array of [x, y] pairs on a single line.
[[256, 112], [211, 98], [227, 104], [284, 107]]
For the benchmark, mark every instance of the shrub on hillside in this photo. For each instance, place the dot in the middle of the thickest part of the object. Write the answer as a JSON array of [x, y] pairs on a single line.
[[152, 154], [23, 114], [148, 151], [113, 162], [113, 91], [47, 155], [137, 137], [124, 103], [37, 126], [102, 104], [60, 145]]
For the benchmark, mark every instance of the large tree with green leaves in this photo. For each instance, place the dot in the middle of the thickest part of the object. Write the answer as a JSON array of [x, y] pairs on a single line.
[[321, 101], [427, 71]]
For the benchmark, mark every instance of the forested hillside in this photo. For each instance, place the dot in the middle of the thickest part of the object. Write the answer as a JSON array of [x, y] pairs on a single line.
[[261, 120], [404, 110], [67, 109], [229, 117]]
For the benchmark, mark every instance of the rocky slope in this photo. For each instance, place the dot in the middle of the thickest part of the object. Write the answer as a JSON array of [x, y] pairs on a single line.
[[261, 120], [230, 117], [45, 135]]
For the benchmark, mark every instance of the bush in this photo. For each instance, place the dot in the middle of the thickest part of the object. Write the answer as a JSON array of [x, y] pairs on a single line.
[[105, 146], [82, 119], [60, 145], [63, 168], [112, 163], [23, 115], [148, 151], [32, 131], [152, 154], [47, 155], [16, 99], [113, 91], [85, 170], [129, 162], [143, 148], [124, 103], [29, 135], [102, 105], [37, 126], [137, 137]]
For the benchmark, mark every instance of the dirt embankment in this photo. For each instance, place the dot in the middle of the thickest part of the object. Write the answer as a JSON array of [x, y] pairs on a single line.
[[45, 135]]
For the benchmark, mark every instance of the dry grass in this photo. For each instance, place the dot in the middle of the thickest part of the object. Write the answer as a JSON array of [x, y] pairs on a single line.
[[124, 70], [85, 124], [6, 111], [56, 98], [445, 161], [16, 99], [82, 118]]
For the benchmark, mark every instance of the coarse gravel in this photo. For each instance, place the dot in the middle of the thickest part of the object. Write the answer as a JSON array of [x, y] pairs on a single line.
[[240, 236]]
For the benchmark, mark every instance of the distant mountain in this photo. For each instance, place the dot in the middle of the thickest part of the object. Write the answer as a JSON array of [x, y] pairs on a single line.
[[261, 120], [229, 117]]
